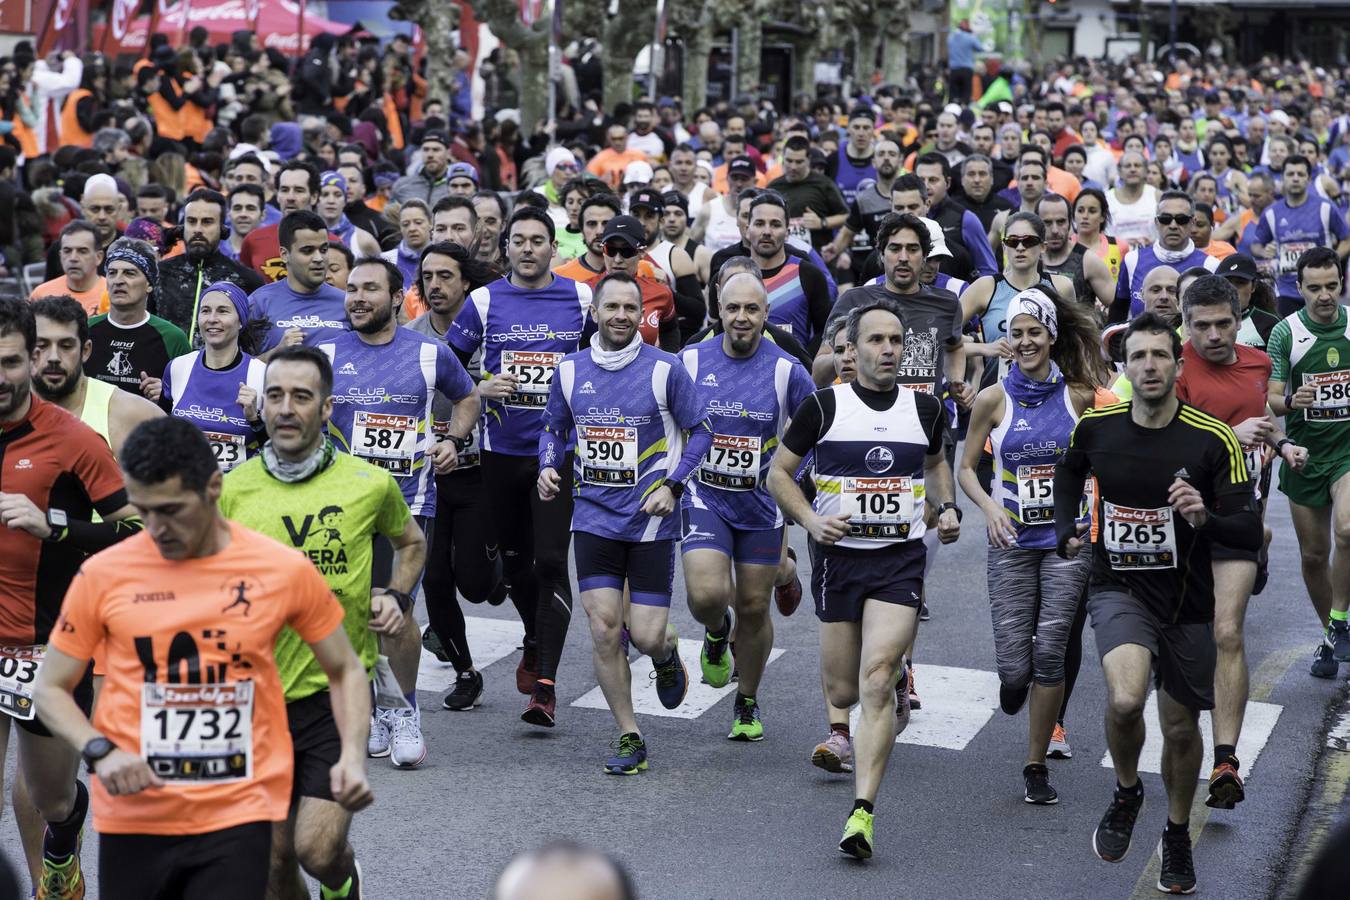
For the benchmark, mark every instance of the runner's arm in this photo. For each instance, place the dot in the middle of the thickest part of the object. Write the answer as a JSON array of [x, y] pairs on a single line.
[[1070, 476], [1235, 519], [410, 556], [54, 694], [1098, 276], [784, 488], [350, 690]]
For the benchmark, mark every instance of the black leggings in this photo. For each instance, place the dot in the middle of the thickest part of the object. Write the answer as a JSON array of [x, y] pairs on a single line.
[[462, 555], [533, 536], [1073, 653]]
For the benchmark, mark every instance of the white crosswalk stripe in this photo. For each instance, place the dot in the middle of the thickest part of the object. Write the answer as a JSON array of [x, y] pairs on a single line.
[[489, 641], [957, 703], [1257, 725]]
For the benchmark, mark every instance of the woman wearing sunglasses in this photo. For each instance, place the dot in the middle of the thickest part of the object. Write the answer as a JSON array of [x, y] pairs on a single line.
[[988, 298]]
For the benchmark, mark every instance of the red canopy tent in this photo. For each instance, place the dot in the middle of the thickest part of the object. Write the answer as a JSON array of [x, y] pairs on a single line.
[[277, 23]]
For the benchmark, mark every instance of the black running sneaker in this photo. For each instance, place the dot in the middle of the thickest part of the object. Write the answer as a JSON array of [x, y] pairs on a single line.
[[431, 642], [468, 691], [1111, 840], [1177, 875], [1039, 791]]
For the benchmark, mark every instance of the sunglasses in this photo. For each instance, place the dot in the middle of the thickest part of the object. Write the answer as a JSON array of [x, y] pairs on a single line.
[[1018, 243], [1181, 219], [621, 250]]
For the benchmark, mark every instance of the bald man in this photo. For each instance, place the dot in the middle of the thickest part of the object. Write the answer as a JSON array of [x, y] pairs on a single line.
[[99, 205], [563, 872]]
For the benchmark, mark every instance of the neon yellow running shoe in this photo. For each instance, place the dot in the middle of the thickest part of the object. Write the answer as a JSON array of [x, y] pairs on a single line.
[[857, 839], [715, 658], [745, 723]]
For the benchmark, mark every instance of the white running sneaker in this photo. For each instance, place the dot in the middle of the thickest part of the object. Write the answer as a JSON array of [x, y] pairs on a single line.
[[407, 749], [380, 726]]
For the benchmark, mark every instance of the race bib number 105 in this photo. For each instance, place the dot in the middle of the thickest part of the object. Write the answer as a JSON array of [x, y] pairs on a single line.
[[879, 509]]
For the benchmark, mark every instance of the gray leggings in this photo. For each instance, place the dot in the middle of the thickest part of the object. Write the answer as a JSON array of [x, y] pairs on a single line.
[[1033, 596]]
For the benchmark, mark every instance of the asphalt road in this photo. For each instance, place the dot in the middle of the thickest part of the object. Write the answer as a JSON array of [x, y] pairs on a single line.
[[717, 819]]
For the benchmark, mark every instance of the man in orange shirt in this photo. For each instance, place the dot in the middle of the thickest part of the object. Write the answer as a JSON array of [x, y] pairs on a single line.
[[81, 258], [610, 162], [190, 743]]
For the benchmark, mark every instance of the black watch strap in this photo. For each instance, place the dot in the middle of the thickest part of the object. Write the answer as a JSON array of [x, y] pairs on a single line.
[[954, 508], [676, 488], [96, 749]]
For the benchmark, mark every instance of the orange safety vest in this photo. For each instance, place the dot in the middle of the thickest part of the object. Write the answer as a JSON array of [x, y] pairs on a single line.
[[71, 133], [195, 121], [395, 125], [168, 121], [27, 137]]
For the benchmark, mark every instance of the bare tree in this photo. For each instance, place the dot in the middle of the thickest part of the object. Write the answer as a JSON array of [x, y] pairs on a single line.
[[531, 42]]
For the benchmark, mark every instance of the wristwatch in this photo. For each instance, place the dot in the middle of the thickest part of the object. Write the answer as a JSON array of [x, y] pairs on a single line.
[[96, 749], [953, 507], [1279, 445], [461, 443], [404, 601], [58, 522], [676, 488]]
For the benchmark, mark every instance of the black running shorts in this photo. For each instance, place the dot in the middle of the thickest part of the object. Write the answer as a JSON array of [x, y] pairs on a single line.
[[1184, 655]]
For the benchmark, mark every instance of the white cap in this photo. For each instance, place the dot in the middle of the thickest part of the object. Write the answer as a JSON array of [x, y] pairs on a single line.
[[953, 108], [1280, 116], [101, 182], [556, 157], [939, 240], [638, 173], [239, 150]]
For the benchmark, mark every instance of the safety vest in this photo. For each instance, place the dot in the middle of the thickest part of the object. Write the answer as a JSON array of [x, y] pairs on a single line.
[[168, 121], [27, 137], [196, 123], [71, 133]]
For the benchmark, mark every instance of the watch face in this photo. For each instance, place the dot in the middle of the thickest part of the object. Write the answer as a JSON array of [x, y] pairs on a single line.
[[57, 517]]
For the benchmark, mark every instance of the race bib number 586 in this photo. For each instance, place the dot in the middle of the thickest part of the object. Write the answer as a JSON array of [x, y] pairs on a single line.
[[1332, 400]]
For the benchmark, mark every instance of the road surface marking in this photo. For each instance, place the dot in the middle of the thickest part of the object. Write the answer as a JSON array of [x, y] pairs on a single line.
[[489, 641]]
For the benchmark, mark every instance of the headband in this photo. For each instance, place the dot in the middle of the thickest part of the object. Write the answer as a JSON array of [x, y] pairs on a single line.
[[236, 295], [1036, 303], [148, 265], [330, 178]]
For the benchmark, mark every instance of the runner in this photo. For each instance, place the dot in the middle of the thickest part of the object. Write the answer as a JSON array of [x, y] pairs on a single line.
[[1091, 216], [1170, 481], [1257, 320], [1294, 224], [131, 347], [623, 242], [219, 388], [631, 463], [1229, 381], [190, 749], [870, 203], [1064, 255], [297, 188], [58, 374], [330, 506], [301, 306], [1310, 355], [1033, 594], [676, 224], [732, 530], [1173, 247], [46, 531], [384, 383], [81, 263], [182, 277], [523, 325], [461, 556], [876, 448]]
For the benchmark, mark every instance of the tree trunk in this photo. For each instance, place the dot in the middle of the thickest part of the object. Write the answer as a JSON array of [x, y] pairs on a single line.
[[438, 20], [626, 33], [805, 55], [1031, 31], [697, 47], [531, 42], [895, 49], [869, 40], [749, 52]]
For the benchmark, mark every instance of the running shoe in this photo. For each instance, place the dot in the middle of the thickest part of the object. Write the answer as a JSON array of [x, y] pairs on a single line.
[[631, 757], [857, 839], [1111, 840], [62, 879], [745, 723], [715, 658], [1039, 791], [913, 694], [672, 680], [1177, 875], [789, 596], [432, 644], [351, 890], [1225, 787], [1059, 744], [1339, 635], [1011, 699], [542, 708], [1324, 663], [924, 614], [381, 725], [468, 691], [527, 670], [902, 709], [407, 748], [834, 754]]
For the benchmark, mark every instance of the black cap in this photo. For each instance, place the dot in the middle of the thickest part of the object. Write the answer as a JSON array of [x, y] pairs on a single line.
[[1213, 97], [625, 228], [1239, 266], [439, 137], [861, 112], [646, 198], [741, 165], [818, 158], [675, 198]]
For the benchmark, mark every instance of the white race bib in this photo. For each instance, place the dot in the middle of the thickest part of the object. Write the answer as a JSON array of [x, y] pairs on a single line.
[[533, 370], [878, 508], [732, 463], [198, 732], [1036, 494], [228, 448], [1139, 538], [18, 671], [608, 454], [798, 235], [389, 441], [1289, 254], [468, 457], [1332, 403]]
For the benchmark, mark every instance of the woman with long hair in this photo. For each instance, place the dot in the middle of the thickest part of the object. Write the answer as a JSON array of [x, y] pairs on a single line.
[[219, 387], [1091, 218], [1028, 418]]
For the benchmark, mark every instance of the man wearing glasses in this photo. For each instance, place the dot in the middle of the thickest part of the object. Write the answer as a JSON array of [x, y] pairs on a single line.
[[1173, 248], [623, 245], [99, 205]]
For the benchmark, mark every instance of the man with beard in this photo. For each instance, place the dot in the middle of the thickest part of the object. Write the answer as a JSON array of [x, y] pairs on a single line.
[[645, 136], [429, 184], [302, 308], [297, 189], [63, 346], [81, 260], [182, 278], [385, 379], [131, 347], [870, 204]]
